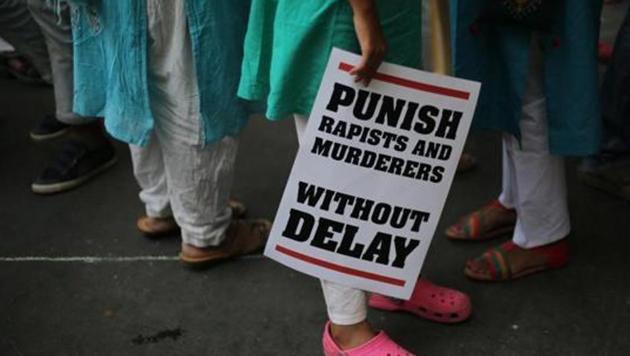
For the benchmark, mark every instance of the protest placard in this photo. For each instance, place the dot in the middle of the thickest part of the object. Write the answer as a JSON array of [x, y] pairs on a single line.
[[372, 176]]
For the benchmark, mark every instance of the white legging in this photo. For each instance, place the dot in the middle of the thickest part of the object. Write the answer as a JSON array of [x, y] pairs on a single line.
[[346, 305]]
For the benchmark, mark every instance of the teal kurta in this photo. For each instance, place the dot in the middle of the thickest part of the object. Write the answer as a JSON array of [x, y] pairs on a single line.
[[110, 40], [498, 57], [288, 43]]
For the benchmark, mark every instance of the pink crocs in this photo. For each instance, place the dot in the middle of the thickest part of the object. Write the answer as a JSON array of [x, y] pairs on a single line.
[[429, 301], [379, 345]]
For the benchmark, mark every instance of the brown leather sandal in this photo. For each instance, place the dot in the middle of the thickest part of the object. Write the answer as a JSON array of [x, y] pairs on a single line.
[[243, 237], [157, 227]]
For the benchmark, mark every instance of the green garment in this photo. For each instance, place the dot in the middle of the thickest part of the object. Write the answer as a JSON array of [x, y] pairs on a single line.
[[288, 43]]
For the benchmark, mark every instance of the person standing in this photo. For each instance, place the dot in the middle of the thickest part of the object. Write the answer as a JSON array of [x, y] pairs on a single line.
[[287, 47], [164, 75], [539, 87]]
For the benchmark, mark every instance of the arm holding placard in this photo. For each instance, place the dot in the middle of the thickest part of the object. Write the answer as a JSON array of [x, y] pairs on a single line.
[[371, 39]]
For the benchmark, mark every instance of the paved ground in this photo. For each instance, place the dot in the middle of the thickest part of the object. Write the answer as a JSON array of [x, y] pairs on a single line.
[[255, 306]]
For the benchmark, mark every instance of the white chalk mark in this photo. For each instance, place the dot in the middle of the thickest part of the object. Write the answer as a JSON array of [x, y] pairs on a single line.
[[100, 259]]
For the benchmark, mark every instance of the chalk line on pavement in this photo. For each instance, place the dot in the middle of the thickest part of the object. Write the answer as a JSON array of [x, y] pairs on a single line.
[[100, 259]]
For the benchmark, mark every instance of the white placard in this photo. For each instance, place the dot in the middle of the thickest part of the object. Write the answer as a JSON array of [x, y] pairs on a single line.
[[372, 176]]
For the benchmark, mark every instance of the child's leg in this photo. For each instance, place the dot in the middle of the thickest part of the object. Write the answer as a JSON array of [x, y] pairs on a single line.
[[347, 311], [346, 305]]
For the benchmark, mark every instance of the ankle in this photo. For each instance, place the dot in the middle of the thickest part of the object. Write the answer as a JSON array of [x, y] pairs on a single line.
[[90, 134], [499, 205], [351, 336]]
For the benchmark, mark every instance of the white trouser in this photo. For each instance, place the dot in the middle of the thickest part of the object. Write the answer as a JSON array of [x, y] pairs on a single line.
[[177, 175], [172, 77], [534, 180], [346, 305], [191, 183]]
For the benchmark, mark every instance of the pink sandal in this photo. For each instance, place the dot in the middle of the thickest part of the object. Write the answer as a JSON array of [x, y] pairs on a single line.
[[379, 345], [429, 301]]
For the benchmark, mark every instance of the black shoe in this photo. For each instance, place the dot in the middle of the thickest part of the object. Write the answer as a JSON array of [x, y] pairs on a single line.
[[75, 165], [49, 128]]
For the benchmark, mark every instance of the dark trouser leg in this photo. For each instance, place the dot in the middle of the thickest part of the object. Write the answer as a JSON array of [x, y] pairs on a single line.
[[616, 94]]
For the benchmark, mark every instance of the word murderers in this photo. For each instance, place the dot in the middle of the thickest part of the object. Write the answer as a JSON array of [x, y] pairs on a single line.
[[377, 161]]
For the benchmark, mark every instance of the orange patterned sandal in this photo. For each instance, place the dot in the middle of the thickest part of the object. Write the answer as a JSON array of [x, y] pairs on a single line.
[[500, 264], [491, 221]]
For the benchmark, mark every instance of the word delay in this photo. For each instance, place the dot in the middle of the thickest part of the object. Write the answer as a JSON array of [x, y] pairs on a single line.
[[339, 237]]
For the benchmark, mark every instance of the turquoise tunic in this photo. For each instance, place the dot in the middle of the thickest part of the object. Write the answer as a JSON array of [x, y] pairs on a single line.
[[288, 43], [498, 57], [110, 40]]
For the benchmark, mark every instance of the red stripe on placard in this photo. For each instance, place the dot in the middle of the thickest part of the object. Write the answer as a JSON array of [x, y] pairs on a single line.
[[454, 93], [339, 268]]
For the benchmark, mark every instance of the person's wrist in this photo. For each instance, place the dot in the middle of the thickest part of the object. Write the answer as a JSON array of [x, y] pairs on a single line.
[[363, 7]]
